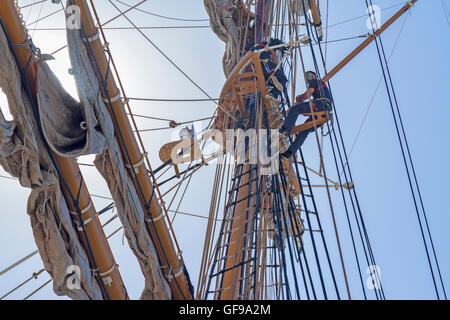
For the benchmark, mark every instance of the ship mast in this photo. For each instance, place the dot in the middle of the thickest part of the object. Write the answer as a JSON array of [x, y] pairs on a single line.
[[256, 202], [72, 183], [169, 258]]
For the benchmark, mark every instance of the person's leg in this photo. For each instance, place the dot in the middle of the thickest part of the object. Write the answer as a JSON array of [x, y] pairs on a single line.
[[298, 142], [293, 114]]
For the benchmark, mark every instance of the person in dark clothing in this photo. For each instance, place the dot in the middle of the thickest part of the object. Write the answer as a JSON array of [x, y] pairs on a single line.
[[322, 101], [269, 61]]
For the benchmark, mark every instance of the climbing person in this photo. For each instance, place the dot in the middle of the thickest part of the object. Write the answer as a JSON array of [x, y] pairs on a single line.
[[322, 101], [269, 62]]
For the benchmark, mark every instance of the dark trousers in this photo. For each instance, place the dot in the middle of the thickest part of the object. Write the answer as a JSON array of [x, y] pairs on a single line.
[[292, 116]]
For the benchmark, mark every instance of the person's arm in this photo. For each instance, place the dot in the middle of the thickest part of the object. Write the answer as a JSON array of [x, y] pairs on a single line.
[[304, 96], [312, 85]]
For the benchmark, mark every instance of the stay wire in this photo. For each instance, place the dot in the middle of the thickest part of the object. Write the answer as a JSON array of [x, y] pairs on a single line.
[[386, 71], [359, 210], [345, 205]]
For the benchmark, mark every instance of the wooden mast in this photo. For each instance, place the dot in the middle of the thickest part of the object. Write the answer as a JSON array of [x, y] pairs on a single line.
[[244, 210], [168, 256], [69, 170]]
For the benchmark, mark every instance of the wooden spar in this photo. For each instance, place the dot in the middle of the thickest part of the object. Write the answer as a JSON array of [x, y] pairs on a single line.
[[366, 42], [243, 212], [167, 254], [69, 169], [315, 13]]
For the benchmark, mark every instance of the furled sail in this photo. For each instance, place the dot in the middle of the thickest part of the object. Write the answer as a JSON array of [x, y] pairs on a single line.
[[112, 167], [229, 21], [71, 129], [24, 155]]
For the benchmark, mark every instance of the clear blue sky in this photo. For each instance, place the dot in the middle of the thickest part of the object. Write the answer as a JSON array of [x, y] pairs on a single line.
[[419, 68]]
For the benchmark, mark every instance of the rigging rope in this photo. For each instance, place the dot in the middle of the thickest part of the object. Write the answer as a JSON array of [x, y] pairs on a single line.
[[404, 146], [161, 16]]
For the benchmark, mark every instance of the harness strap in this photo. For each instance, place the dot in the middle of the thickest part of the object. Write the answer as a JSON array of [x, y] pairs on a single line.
[[322, 86]]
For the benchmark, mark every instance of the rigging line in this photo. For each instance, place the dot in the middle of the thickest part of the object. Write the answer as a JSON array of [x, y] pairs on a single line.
[[161, 16], [182, 197], [170, 60], [290, 204], [35, 275], [365, 15], [345, 203], [373, 97], [50, 280], [40, 19], [29, 12], [131, 28], [362, 221], [101, 197], [148, 117], [208, 245], [219, 248], [32, 4], [195, 215], [316, 66], [58, 50], [413, 170], [401, 145], [31, 294], [325, 180], [173, 100], [121, 14], [18, 262], [201, 27], [153, 129], [276, 211], [444, 6], [39, 16], [374, 24]]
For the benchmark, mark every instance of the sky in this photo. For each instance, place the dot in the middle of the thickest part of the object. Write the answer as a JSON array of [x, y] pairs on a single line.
[[419, 67]]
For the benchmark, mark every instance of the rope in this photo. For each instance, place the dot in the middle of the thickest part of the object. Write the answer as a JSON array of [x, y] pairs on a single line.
[[45, 17], [122, 13], [160, 16], [393, 100], [35, 275], [373, 96], [325, 179], [168, 59], [32, 4], [18, 262], [31, 294]]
